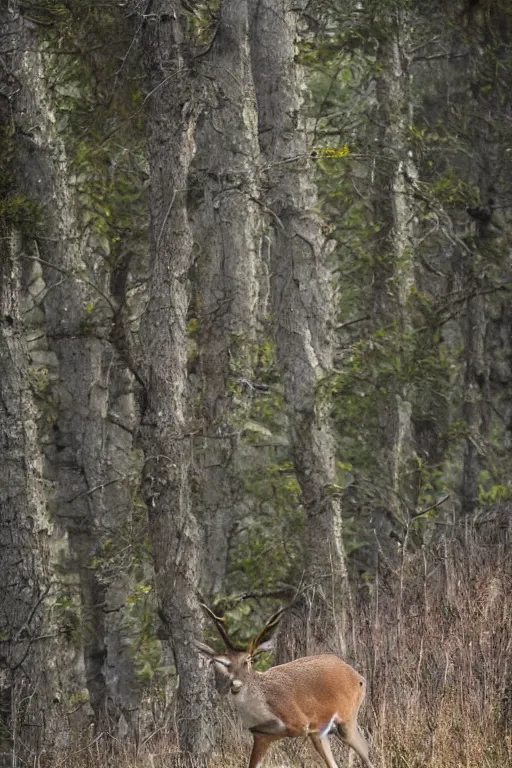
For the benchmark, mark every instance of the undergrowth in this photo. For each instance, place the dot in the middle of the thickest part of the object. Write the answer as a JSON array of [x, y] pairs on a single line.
[[434, 641]]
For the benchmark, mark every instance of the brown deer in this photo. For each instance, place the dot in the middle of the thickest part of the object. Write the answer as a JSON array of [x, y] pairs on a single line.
[[312, 696]]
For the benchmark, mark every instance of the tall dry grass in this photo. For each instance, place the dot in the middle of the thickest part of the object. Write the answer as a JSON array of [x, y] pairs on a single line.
[[434, 640], [436, 644]]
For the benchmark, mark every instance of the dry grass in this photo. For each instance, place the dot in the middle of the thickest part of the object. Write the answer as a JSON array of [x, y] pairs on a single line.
[[233, 753], [435, 643]]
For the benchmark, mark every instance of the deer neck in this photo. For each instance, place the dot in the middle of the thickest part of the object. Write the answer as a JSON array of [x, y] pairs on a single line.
[[251, 704]]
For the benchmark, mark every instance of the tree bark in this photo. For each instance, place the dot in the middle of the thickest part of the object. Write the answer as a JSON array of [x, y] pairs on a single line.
[[44, 698], [394, 269], [301, 302], [165, 431], [85, 408], [39, 675], [226, 226]]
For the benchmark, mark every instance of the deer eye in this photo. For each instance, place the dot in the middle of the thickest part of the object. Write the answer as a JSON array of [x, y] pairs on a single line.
[[223, 660]]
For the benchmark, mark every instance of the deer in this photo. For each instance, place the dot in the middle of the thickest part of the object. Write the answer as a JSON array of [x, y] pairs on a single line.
[[312, 696]]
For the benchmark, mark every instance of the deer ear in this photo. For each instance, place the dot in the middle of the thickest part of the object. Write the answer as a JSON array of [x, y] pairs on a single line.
[[223, 661], [205, 649], [268, 645], [265, 636]]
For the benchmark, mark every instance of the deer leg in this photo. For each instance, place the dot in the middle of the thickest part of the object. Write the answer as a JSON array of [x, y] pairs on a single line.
[[273, 727], [322, 746], [350, 735], [262, 741]]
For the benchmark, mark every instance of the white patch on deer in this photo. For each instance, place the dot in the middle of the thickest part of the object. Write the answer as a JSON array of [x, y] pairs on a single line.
[[328, 727]]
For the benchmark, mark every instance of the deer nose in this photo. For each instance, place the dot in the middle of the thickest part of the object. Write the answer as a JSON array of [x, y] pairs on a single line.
[[236, 686]]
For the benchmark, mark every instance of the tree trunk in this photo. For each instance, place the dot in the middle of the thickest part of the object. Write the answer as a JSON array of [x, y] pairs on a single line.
[[394, 283], [301, 302], [43, 694], [39, 675], [165, 432], [85, 408], [226, 228]]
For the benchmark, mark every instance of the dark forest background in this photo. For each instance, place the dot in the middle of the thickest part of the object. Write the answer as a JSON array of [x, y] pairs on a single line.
[[256, 349]]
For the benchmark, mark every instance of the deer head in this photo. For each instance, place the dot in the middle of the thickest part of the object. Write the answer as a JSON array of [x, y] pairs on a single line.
[[233, 667]]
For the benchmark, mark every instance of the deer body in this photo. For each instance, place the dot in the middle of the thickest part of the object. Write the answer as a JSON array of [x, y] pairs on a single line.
[[306, 695], [311, 696]]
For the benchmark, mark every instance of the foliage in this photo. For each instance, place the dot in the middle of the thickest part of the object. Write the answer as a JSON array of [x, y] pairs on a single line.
[[426, 325], [270, 532], [99, 118], [16, 211], [146, 649], [380, 356]]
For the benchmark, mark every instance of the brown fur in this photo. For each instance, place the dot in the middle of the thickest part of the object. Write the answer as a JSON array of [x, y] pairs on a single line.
[[306, 693]]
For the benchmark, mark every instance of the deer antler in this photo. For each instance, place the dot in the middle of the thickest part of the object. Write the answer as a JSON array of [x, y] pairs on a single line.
[[220, 624]]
